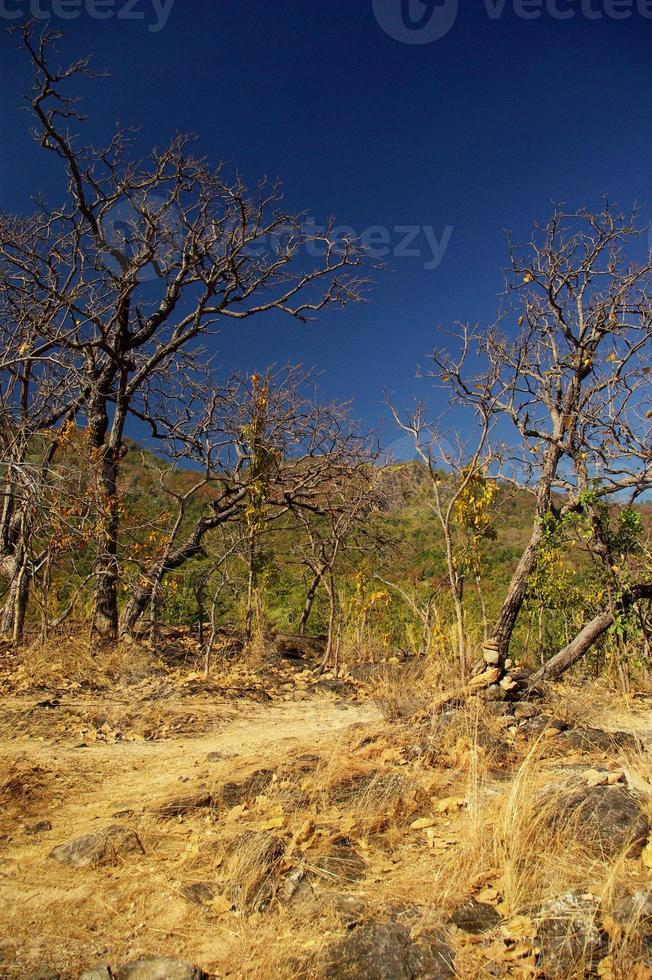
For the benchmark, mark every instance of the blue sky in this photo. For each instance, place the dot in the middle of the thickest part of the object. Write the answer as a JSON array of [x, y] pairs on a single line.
[[475, 132]]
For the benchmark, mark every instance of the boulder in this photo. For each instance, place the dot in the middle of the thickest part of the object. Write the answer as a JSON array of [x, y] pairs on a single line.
[[569, 936], [159, 968], [181, 805], [475, 917], [607, 818], [103, 847], [383, 951], [198, 892], [232, 794], [342, 862], [588, 739]]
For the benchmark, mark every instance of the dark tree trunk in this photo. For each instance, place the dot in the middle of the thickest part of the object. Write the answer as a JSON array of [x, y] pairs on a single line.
[[585, 639], [310, 599], [191, 547], [105, 616]]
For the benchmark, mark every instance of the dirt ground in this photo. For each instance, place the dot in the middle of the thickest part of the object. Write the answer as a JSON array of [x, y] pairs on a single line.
[[418, 810]]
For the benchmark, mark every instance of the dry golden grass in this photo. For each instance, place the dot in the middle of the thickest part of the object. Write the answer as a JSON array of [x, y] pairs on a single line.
[[407, 814]]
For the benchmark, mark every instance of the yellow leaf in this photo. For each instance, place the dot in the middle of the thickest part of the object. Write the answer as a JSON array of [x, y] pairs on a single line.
[[221, 904], [422, 823], [646, 855], [272, 824], [450, 804]]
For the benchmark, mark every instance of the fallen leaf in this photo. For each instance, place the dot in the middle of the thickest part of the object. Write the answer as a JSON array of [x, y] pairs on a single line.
[[221, 904], [450, 804], [422, 823]]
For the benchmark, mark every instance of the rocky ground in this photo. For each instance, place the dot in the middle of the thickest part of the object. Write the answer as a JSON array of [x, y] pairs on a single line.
[[272, 823]]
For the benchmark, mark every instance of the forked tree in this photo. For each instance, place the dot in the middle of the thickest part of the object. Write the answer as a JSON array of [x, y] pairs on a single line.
[[568, 367], [141, 259]]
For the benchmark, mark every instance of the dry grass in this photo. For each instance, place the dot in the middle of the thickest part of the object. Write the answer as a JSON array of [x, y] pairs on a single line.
[[404, 817]]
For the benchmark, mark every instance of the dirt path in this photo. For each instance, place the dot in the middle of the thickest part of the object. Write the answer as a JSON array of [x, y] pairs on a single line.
[[100, 779]]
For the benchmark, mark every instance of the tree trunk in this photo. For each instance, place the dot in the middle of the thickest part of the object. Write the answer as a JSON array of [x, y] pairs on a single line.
[[191, 547], [310, 598], [585, 639]]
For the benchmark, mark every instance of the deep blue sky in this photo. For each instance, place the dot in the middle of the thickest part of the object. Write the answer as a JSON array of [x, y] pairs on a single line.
[[480, 130]]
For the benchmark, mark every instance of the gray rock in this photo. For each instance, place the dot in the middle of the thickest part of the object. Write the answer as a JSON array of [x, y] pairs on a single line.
[[383, 951], [232, 794], [96, 973], [341, 862], [524, 709], [198, 892], [635, 915], [40, 827], [570, 937], [103, 847], [588, 739], [475, 917], [182, 805], [159, 968], [606, 817]]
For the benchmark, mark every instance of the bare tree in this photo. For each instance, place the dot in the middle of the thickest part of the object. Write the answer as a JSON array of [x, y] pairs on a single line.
[[573, 378], [154, 254], [263, 457]]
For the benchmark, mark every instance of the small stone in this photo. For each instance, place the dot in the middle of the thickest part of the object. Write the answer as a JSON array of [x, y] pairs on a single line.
[[525, 710], [198, 893], [103, 847], [96, 973], [475, 917], [181, 805], [40, 827], [154, 968]]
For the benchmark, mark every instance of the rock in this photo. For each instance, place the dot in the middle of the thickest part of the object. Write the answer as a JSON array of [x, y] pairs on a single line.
[[341, 862], [219, 756], [569, 937], [296, 891], [180, 805], [198, 892], [103, 847], [475, 917], [381, 951], [485, 679], [343, 688], [250, 867], [350, 909], [606, 817], [155, 968], [96, 973], [232, 794], [588, 739], [524, 709], [634, 913], [40, 827]]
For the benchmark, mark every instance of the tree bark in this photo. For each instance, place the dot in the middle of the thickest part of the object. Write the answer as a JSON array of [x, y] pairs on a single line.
[[310, 598], [191, 547], [585, 639]]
